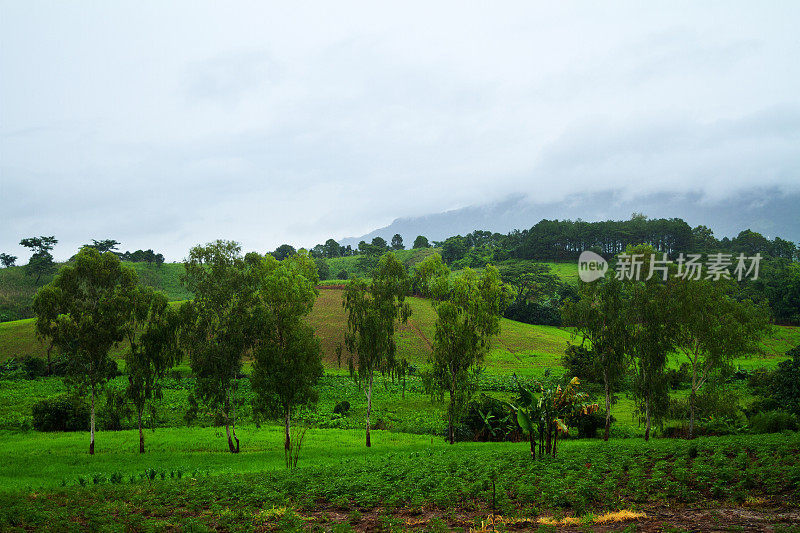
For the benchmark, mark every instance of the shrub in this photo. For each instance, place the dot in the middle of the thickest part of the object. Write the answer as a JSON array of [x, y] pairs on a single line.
[[342, 408], [62, 413], [773, 422], [678, 376], [116, 413], [342, 274], [489, 419]]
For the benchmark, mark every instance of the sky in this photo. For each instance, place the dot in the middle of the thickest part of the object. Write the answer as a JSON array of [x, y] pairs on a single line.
[[168, 124]]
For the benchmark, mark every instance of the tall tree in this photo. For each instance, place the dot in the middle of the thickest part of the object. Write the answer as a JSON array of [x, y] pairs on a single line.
[[41, 261], [85, 311], [106, 245], [8, 260], [421, 242], [713, 329], [283, 251], [466, 320], [599, 318], [152, 336], [373, 313], [217, 325], [652, 329], [288, 361], [431, 278], [397, 242]]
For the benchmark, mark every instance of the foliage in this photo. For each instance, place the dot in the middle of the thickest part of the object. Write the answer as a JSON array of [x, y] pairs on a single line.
[[546, 409], [421, 242], [84, 312], [397, 242], [283, 251], [465, 322], [216, 325], [488, 419], [431, 278], [61, 413], [599, 317], [373, 313], [8, 260], [787, 382], [153, 340], [713, 329], [287, 360], [41, 261]]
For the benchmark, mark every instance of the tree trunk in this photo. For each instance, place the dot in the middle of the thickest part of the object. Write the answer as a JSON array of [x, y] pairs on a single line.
[[287, 443], [226, 406], [533, 445], [691, 413], [555, 441], [233, 425], [647, 417], [91, 426], [549, 445], [608, 406], [141, 434], [450, 432], [369, 408]]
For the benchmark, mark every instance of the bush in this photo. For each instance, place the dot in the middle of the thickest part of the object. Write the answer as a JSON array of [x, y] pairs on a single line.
[[534, 313], [341, 408], [116, 413], [342, 274], [678, 376], [489, 419], [773, 422], [62, 413]]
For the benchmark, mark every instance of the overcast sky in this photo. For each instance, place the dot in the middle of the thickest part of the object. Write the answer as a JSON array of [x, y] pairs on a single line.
[[167, 124]]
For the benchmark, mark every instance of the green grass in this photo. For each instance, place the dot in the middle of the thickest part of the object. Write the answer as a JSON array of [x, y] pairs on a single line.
[[400, 474], [17, 289]]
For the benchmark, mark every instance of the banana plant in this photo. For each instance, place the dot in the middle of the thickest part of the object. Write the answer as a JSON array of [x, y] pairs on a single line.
[[546, 411]]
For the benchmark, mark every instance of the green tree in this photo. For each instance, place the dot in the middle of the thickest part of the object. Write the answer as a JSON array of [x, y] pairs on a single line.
[[106, 245], [217, 325], [454, 248], [397, 242], [323, 269], [380, 244], [651, 326], [421, 242], [431, 278], [786, 389], [8, 260], [465, 322], [373, 313], [332, 249], [288, 361], [283, 251], [152, 335], [599, 317], [85, 311], [713, 328], [41, 261]]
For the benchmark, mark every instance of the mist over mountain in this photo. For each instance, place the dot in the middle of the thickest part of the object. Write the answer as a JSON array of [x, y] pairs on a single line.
[[770, 212]]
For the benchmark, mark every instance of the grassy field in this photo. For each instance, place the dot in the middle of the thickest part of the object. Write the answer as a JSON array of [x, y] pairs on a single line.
[[403, 483], [17, 289]]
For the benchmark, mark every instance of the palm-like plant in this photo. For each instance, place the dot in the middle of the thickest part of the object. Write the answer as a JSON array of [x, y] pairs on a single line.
[[547, 409]]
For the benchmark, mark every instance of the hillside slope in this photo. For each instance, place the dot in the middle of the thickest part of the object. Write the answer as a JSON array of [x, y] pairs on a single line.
[[520, 348], [17, 289]]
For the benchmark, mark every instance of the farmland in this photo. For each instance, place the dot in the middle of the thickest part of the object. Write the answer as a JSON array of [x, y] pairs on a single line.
[[409, 479]]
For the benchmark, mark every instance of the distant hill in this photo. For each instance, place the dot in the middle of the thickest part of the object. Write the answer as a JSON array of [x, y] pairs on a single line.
[[17, 289], [769, 212]]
